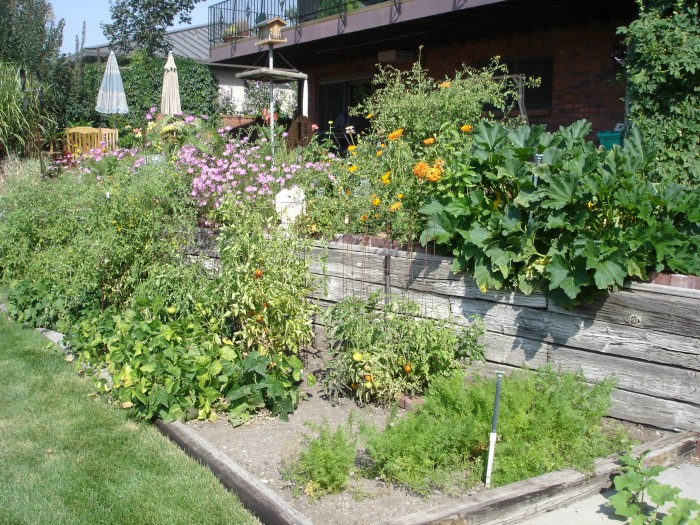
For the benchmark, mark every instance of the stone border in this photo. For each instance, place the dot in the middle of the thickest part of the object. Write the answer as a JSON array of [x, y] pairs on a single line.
[[502, 505]]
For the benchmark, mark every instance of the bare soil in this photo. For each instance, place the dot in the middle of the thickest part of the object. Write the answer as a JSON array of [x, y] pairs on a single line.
[[261, 445]]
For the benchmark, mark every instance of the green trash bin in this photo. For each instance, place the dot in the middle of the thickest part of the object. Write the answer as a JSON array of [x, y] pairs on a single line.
[[608, 139]]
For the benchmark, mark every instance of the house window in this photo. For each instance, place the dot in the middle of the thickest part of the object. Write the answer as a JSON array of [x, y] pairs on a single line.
[[539, 97], [336, 97]]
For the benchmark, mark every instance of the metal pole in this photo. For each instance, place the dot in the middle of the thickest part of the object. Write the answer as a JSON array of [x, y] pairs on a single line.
[[536, 178], [272, 102], [492, 436]]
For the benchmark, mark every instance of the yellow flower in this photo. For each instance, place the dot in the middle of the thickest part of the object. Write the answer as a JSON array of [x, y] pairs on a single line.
[[590, 205], [369, 115], [376, 215], [445, 84], [433, 175], [376, 202], [379, 152], [347, 192], [466, 128], [399, 196], [386, 178], [396, 134], [421, 169], [364, 217], [352, 148], [352, 168], [395, 206], [428, 141]]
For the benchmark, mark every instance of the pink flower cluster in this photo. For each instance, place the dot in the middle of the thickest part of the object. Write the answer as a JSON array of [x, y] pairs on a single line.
[[241, 171]]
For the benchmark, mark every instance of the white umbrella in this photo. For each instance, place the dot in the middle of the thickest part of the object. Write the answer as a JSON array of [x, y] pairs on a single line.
[[170, 97], [111, 97]]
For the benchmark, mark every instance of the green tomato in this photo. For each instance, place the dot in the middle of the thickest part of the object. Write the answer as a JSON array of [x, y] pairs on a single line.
[[368, 385], [357, 357], [171, 309]]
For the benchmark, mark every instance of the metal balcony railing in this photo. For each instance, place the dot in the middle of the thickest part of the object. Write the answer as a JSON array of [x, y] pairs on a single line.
[[234, 19]]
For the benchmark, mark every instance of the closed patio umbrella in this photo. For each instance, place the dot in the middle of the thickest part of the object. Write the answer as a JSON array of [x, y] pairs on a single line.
[[111, 98], [170, 96]]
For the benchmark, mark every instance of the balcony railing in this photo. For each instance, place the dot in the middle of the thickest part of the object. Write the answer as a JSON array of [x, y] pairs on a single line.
[[234, 19]]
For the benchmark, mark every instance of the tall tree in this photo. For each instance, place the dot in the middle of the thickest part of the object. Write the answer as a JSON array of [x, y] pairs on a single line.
[[143, 23], [29, 36]]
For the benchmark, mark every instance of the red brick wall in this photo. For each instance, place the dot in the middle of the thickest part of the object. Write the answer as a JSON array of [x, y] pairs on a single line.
[[584, 85]]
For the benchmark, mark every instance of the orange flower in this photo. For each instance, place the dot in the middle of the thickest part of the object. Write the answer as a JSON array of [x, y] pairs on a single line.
[[428, 141], [364, 217], [396, 134], [433, 175], [421, 169], [386, 178], [395, 206], [466, 128]]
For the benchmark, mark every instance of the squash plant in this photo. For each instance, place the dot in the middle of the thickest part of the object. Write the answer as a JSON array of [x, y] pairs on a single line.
[[578, 221]]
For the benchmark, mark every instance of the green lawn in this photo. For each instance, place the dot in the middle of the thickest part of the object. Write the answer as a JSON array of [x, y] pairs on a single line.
[[67, 457]]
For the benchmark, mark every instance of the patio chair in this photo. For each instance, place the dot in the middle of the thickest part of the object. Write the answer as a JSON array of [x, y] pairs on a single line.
[[82, 139]]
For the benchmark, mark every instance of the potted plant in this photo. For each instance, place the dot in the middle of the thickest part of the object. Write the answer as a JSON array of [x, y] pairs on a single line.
[[238, 30]]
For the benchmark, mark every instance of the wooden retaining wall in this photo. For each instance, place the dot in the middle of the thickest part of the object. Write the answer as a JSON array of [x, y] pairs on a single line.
[[647, 335]]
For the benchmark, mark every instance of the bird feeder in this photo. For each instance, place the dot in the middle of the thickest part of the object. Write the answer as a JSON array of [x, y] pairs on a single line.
[[270, 32]]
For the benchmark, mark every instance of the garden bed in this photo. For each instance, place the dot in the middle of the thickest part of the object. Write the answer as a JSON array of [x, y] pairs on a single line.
[[260, 448]]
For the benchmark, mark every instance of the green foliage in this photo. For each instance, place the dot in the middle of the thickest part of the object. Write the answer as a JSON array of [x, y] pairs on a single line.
[[143, 25], [381, 349], [29, 37], [581, 222], [87, 241], [324, 466], [548, 420], [635, 483], [664, 85], [143, 80]]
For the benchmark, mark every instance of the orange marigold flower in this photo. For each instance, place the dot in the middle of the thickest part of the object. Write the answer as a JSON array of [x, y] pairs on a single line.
[[395, 206], [429, 140], [364, 217], [352, 168], [377, 201], [421, 169], [434, 174], [386, 178], [445, 84], [466, 128], [396, 134], [369, 115]]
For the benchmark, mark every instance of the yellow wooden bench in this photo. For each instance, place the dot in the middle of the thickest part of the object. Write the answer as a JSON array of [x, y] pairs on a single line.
[[82, 139]]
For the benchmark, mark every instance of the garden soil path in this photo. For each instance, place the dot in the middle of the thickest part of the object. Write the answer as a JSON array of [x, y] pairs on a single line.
[[262, 445]]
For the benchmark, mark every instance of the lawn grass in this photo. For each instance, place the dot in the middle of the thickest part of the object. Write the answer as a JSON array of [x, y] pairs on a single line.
[[68, 457]]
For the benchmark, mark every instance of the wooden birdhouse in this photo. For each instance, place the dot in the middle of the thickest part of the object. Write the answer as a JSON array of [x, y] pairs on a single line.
[[270, 32]]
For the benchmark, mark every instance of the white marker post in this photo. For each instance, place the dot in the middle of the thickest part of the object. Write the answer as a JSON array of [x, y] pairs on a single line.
[[492, 436]]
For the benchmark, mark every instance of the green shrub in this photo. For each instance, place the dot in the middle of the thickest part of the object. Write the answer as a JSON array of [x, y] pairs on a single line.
[[663, 86], [324, 466], [547, 421], [381, 349], [582, 221]]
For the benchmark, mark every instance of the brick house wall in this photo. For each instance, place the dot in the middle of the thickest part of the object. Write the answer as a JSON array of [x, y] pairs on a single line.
[[584, 84]]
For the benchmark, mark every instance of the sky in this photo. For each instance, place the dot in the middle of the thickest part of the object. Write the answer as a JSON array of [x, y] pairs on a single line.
[[93, 12]]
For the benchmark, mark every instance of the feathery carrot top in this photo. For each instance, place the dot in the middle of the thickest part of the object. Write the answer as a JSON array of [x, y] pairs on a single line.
[[428, 141], [466, 128], [396, 134]]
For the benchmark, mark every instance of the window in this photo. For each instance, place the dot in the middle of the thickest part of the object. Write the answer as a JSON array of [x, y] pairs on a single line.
[[539, 97]]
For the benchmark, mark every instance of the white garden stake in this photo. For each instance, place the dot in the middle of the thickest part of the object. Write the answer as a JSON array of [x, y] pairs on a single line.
[[492, 436]]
